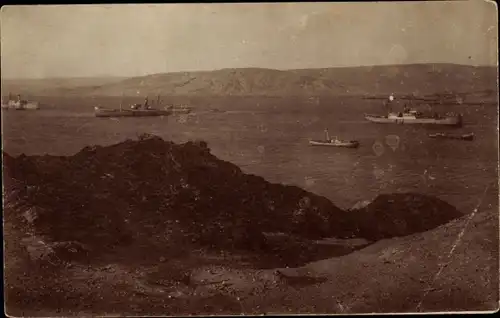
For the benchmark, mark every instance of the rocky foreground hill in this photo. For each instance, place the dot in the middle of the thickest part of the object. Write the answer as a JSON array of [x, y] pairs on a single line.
[[419, 79], [151, 227]]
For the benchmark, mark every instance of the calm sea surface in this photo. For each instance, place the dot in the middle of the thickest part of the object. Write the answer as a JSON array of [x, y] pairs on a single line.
[[269, 137]]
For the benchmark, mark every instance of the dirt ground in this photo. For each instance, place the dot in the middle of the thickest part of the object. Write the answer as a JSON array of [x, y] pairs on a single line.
[[430, 271]]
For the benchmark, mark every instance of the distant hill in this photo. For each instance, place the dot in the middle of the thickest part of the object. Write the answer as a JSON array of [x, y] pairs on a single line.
[[366, 80], [49, 86]]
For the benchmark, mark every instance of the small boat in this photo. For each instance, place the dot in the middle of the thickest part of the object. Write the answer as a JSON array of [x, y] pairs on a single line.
[[136, 110], [334, 142], [469, 136]]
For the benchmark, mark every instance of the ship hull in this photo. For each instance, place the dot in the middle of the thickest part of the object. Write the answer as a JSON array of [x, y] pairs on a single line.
[[17, 106], [132, 113], [448, 121], [346, 144]]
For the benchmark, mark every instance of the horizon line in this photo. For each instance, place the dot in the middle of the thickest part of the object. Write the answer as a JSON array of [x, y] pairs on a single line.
[[241, 68]]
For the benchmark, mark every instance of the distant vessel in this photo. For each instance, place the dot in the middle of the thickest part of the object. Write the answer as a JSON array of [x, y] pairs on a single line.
[[103, 112], [136, 110], [216, 110], [19, 104], [335, 142], [183, 109], [411, 116], [469, 136]]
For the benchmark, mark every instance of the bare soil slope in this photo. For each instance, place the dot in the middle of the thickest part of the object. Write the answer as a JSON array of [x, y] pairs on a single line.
[[451, 268]]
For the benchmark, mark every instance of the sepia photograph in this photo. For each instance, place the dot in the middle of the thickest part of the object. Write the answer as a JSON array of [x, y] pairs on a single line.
[[193, 159]]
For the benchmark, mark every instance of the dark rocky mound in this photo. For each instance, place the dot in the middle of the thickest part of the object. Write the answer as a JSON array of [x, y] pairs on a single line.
[[165, 197], [155, 193], [401, 214]]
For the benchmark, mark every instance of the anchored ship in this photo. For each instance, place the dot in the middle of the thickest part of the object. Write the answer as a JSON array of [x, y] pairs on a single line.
[[19, 104], [183, 109], [412, 116], [334, 142], [136, 110], [469, 136]]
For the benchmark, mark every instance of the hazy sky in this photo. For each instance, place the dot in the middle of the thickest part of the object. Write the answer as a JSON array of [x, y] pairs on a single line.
[[125, 40]]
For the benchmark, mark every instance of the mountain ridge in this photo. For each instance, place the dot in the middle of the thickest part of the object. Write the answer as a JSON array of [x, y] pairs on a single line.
[[253, 81]]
